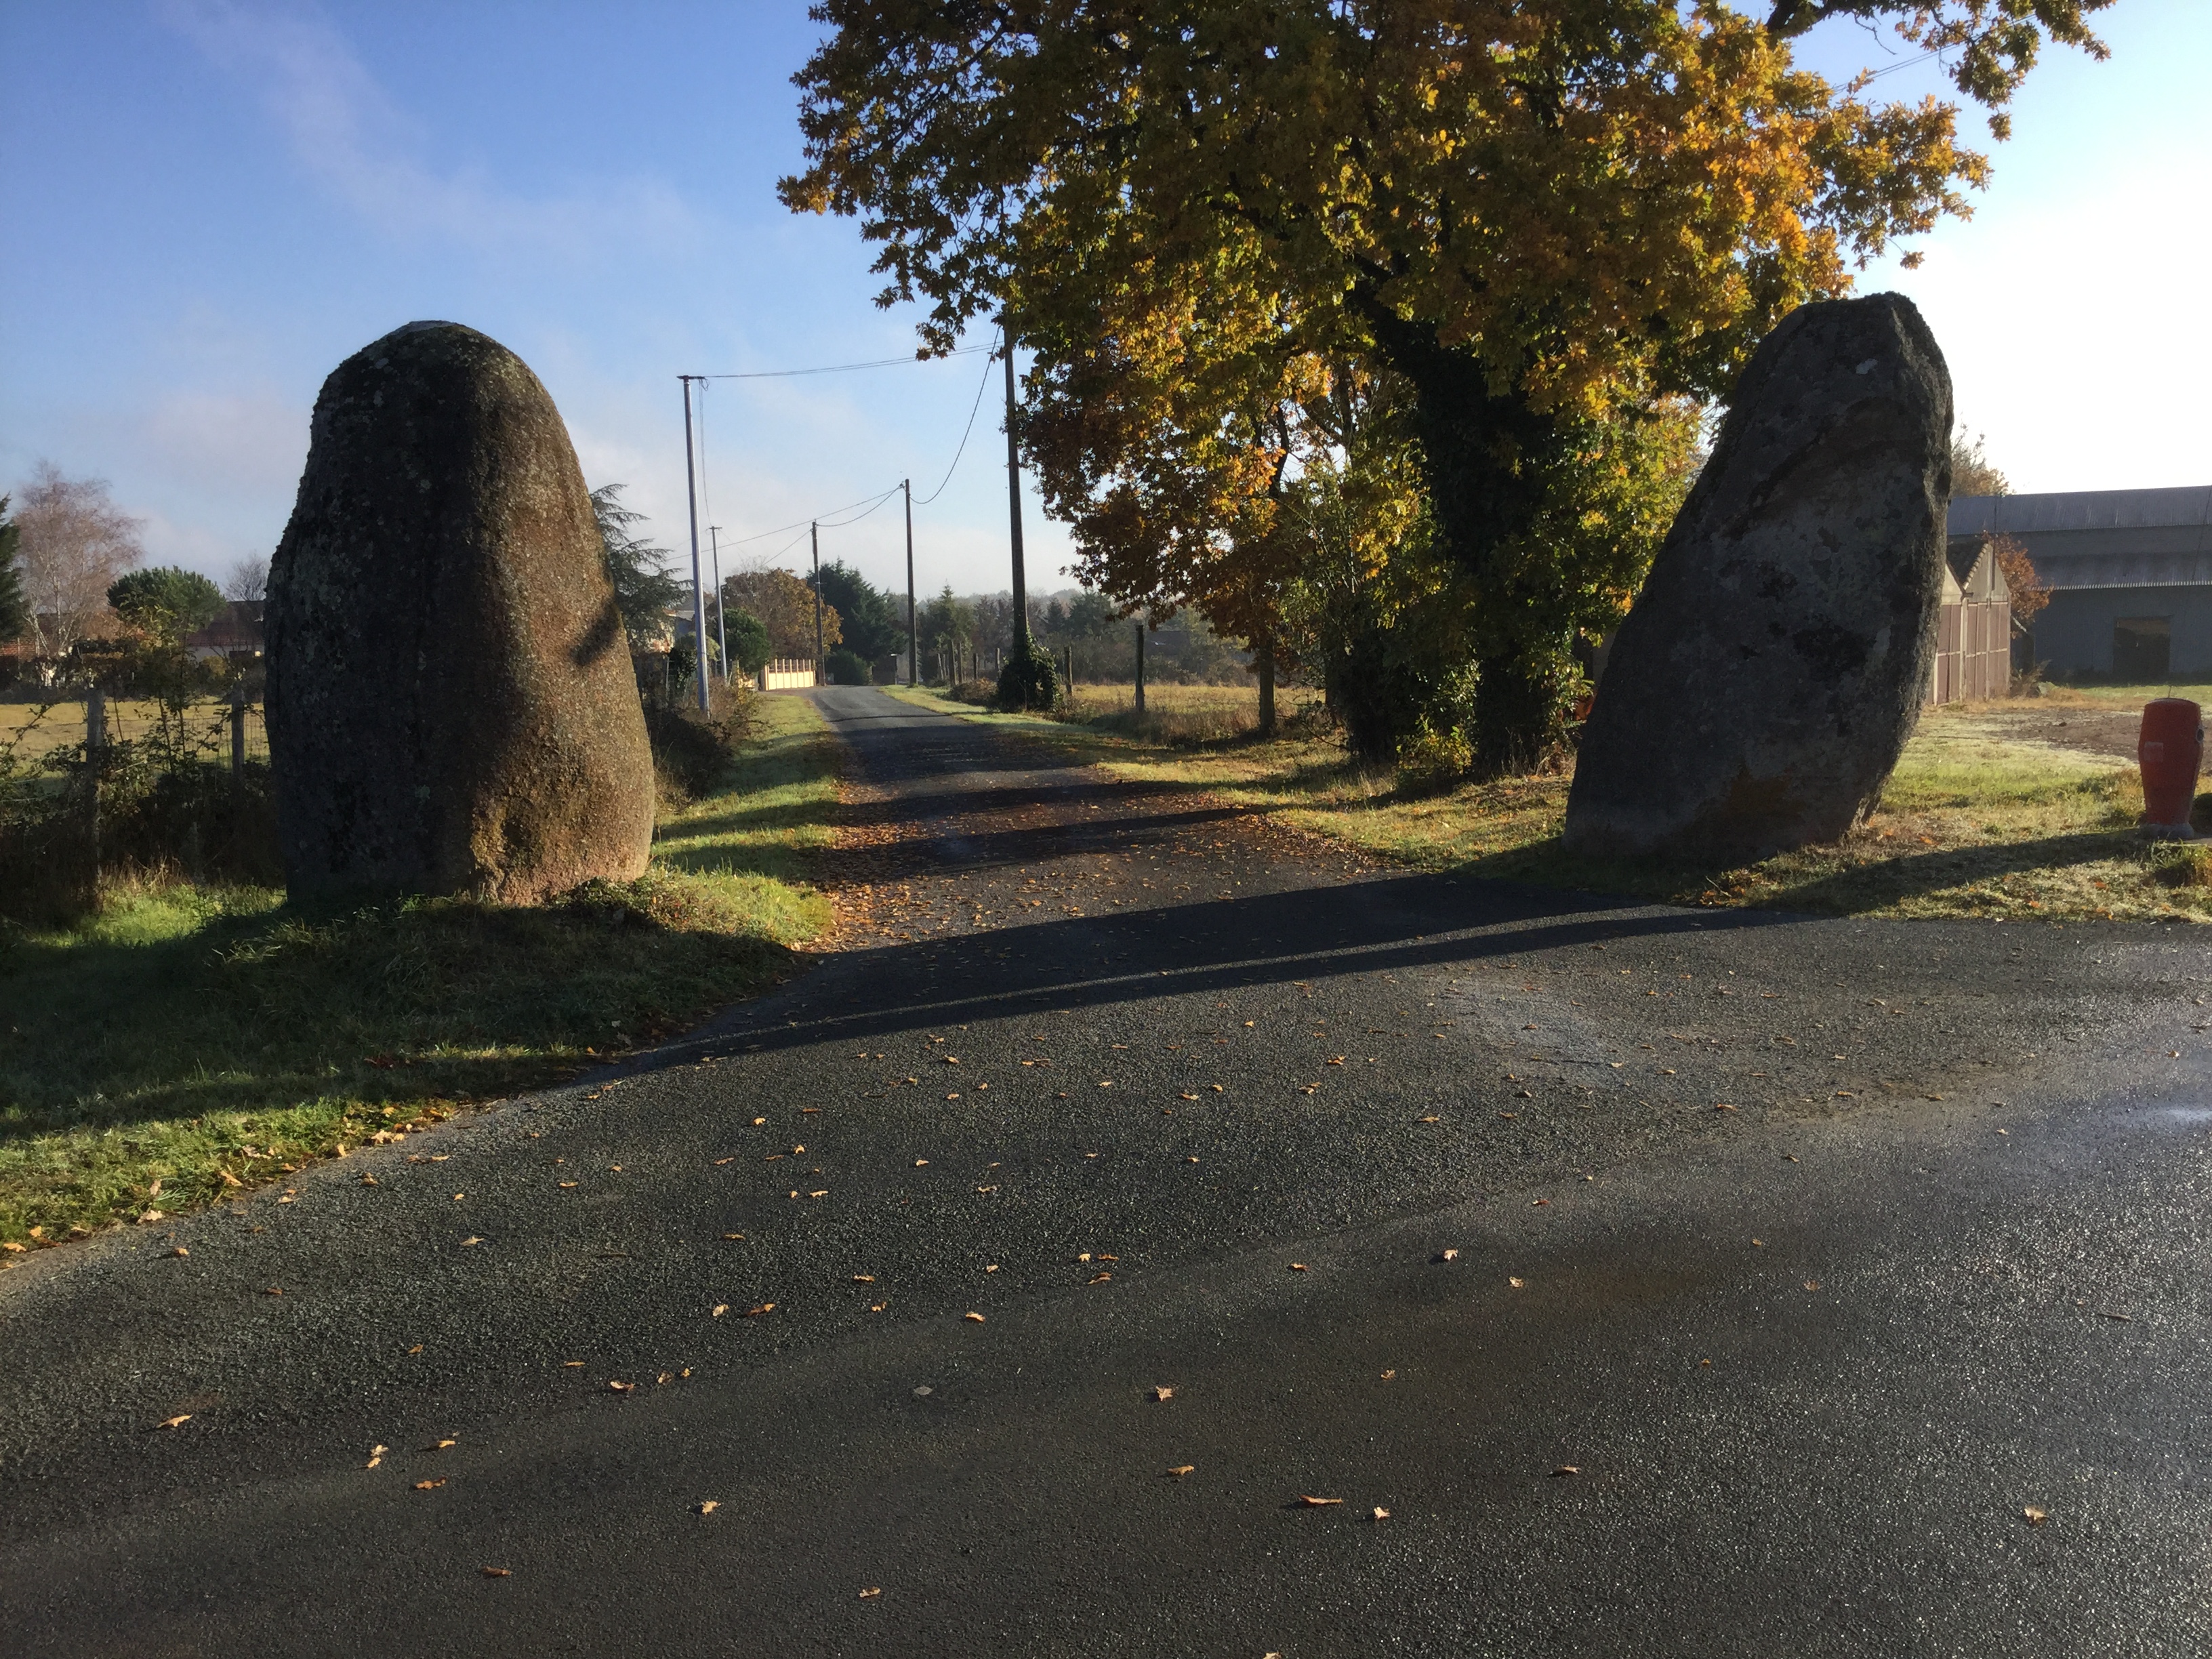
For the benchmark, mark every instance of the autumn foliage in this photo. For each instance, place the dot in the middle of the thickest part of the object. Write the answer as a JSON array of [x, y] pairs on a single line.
[[1518, 239]]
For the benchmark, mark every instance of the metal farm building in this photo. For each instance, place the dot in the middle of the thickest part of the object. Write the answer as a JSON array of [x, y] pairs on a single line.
[[2129, 573]]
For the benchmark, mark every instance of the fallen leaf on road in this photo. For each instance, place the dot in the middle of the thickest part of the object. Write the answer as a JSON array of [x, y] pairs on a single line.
[[720, 1308], [1313, 1503], [735, 1238], [567, 1183], [1536, 1203], [976, 1317], [1448, 1255], [428, 1486], [1566, 1468], [873, 1590], [471, 1241], [495, 1572], [375, 1456], [1431, 1119], [1159, 1393], [366, 1180], [417, 1348], [178, 1421], [864, 1279], [1722, 1106], [2033, 1516], [709, 1506], [1812, 1283], [1216, 1087], [1389, 1375], [180, 1250], [721, 1161], [275, 1290], [1182, 1469], [1300, 1268], [759, 1120], [571, 1364], [1382, 1514], [764, 1308], [1190, 1097], [1516, 1284], [623, 1388]]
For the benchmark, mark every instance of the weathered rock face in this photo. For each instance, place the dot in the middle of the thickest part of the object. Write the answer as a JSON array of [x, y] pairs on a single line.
[[1763, 686], [451, 703]]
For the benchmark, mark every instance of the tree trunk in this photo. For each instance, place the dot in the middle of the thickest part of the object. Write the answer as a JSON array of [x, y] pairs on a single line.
[[1263, 656], [1487, 460]]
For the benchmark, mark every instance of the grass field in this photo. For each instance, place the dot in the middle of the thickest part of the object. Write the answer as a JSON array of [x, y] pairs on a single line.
[[187, 1040], [2024, 809]]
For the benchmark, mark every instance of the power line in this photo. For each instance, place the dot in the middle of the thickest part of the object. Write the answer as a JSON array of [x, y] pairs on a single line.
[[841, 368], [871, 503], [867, 504], [969, 428]]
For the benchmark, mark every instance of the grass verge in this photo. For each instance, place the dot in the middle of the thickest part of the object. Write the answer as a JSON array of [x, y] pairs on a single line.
[[1973, 823], [187, 1041]]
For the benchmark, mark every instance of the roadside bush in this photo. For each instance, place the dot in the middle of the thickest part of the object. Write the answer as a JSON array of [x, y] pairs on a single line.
[[1028, 681], [692, 749], [845, 667]]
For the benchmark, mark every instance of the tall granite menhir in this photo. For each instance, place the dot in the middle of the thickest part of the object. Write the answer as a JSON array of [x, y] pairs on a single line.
[[452, 708], [1768, 676]]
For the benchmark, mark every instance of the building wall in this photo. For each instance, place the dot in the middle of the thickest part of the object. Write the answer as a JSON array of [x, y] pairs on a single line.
[[2074, 633]]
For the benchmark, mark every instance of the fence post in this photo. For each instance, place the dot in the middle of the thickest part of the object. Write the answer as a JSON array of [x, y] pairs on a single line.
[[1140, 668], [237, 737], [96, 757]]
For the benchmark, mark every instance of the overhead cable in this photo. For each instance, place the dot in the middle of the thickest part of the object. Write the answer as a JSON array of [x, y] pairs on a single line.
[[841, 368]]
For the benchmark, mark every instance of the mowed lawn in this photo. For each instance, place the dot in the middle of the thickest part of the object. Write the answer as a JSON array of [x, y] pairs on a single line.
[[190, 1040], [2025, 808]]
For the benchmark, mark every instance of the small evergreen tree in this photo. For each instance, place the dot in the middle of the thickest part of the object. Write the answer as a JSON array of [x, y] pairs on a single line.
[[749, 642], [645, 591], [165, 603], [14, 608]]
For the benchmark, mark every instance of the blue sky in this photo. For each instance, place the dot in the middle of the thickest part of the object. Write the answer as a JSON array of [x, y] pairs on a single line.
[[210, 204]]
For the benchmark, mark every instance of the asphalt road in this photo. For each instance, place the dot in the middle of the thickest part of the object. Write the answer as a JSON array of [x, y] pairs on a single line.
[[1680, 1283]]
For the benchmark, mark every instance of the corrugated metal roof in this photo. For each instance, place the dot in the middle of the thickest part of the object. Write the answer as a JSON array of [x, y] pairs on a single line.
[[2082, 509], [2102, 537]]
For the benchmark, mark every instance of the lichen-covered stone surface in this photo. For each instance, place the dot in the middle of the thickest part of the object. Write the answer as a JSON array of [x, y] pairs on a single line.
[[1760, 690], [451, 703]]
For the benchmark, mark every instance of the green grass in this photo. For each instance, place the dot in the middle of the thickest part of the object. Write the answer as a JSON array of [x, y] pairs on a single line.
[[1971, 824], [204, 1039]]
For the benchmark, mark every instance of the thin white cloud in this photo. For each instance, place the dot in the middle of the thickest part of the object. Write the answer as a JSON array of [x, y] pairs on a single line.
[[367, 152], [250, 443]]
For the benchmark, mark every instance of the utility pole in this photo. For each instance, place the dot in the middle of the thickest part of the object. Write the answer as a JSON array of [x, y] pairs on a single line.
[[913, 655], [815, 530], [698, 592], [721, 627], [1014, 500]]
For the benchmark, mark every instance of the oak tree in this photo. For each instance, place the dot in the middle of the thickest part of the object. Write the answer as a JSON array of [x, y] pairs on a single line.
[[1545, 216]]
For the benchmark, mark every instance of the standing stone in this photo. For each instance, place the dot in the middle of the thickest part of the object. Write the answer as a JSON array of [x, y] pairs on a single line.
[[1762, 687], [452, 708]]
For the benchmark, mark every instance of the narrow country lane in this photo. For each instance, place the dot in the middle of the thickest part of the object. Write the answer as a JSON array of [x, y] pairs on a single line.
[[1159, 1233]]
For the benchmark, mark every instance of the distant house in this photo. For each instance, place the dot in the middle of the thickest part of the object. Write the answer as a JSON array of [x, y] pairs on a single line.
[[2129, 573], [236, 632]]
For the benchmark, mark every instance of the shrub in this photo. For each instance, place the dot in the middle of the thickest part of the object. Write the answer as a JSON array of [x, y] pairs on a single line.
[[844, 668], [1028, 680]]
